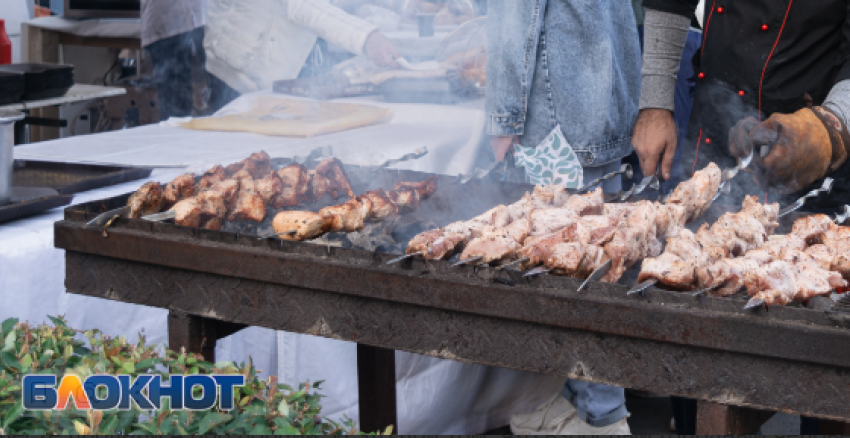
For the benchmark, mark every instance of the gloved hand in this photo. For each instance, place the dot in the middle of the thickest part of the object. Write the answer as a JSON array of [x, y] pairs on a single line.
[[791, 151]]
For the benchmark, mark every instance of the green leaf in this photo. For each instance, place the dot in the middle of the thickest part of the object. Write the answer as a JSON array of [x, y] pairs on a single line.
[[57, 321], [108, 426], [10, 360], [211, 420], [260, 429], [8, 324], [124, 420], [26, 362], [9, 344], [13, 414], [287, 430], [145, 365], [128, 367], [283, 408]]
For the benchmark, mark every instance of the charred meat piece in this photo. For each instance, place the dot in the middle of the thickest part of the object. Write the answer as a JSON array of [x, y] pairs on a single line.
[[296, 186], [812, 228], [633, 240], [669, 270], [550, 220], [539, 248], [382, 206], [179, 189], [229, 190], [259, 165], [766, 214], [188, 213], [270, 188], [307, 224], [576, 259], [331, 169], [214, 223], [347, 217], [211, 177], [546, 196], [206, 209], [406, 200], [425, 188], [494, 249], [149, 199], [320, 186], [775, 283], [212, 204], [249, 206], [468, 229], [435, 244], [233, 168], [246, 181]]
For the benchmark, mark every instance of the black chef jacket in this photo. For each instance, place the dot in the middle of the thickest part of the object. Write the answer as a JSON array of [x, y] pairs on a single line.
[[761, 57]]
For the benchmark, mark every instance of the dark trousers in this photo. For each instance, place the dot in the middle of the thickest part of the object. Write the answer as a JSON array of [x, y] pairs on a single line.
[[173, 58]]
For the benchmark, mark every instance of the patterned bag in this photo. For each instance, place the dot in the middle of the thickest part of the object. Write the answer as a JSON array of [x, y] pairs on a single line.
[[553, 161]]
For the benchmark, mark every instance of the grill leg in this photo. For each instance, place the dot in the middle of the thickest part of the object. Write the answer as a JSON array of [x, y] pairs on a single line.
[[829, 427], [376, 384], [197, 334], [717, 419]]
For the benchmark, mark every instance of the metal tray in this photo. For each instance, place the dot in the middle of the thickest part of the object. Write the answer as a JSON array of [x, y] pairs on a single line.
[[27, 201], [70, 178]]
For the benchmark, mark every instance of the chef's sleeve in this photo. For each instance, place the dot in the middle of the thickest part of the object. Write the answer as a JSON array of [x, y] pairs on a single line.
[[665, 35], [331, 23]]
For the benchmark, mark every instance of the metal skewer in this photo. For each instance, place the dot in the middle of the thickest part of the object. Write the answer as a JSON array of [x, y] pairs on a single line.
[[405, 257], [840, 218], [513, 263], [285, 233], [103, 218], [597, 274], [705, 291], [415, 155], [826, 188], [625, 170], [649, 182], [468, 261], [754, 303], [161, 217], [538, 271], [641, 288]]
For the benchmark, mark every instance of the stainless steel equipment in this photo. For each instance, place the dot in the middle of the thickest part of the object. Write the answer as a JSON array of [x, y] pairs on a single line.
[[7, 156]]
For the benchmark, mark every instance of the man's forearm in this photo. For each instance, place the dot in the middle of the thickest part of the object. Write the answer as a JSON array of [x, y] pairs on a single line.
[[665, 35], [838, 100]]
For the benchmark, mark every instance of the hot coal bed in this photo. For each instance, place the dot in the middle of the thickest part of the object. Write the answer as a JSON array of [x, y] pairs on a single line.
[[791, 359]]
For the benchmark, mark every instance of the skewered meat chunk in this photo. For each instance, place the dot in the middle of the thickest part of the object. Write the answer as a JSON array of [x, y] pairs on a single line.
[[235, 167], [841, 265], [766, 214], [147, 200], [347, 217], [775, 283], [576, 259], [406, 200], [497, 216], [211, 177], [727, 276], [331, 169], [382, 206], [258, 165], [229, 190], [179, 189], [212, 204], [587, 204], [188, 213], [308, 224], [669, 270], [538, 249], [425, 188], [595, 229], [494, 249], [320, 186], [633, 240], [697, 193], [468, 229], [548, 221], [214, 223], [249, 206], [822, 255], [270, 188], [812, 228], [814, 281], [246, 181], [670, 219], [435, 244], [297, 183]]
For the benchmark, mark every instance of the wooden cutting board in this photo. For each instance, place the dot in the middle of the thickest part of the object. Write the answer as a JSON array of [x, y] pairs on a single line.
[[276, 116]]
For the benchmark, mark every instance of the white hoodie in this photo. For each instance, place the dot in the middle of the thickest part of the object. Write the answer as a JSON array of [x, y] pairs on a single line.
[[252, 43]]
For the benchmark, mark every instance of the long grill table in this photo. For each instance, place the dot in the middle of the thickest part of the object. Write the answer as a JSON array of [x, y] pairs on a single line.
[[737, 363]]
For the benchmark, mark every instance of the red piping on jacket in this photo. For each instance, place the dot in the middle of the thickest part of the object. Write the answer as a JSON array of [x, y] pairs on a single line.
[[696, 155], [761, 81], [705, 31]]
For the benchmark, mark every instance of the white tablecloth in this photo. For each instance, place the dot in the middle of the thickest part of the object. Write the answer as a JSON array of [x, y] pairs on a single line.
[[434, 396]]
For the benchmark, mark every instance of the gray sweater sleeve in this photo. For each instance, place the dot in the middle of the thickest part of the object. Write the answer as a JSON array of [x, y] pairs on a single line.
[[838, 100], [664, 40]]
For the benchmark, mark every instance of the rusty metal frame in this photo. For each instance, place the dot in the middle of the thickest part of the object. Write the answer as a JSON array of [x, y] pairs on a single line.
[[788, 359]]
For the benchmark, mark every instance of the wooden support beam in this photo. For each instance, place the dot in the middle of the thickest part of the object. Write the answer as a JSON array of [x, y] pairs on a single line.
[[376, 384], [197, 334]]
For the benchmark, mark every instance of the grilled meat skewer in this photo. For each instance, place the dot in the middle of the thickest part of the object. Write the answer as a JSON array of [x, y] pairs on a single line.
[[149, 199]]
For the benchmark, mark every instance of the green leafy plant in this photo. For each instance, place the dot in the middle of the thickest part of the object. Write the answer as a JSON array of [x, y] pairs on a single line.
[[262, 406]]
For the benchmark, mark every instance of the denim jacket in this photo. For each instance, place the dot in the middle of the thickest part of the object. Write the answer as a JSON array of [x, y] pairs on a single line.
[[570, 62]]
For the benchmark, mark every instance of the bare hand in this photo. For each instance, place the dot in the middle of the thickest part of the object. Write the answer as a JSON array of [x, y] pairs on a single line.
[[654, 140], [381, 50], [502, 144]]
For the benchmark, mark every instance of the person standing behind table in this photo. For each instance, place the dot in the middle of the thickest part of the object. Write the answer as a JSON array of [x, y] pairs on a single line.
[[250, 44], [173, 33], [563, 81]]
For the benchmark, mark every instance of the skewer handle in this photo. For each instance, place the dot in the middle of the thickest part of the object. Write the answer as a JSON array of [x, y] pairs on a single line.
[[625, 169], [537, 271], [826, 188], [160, 217], [842, 217], [468, 261], [512, 264]]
